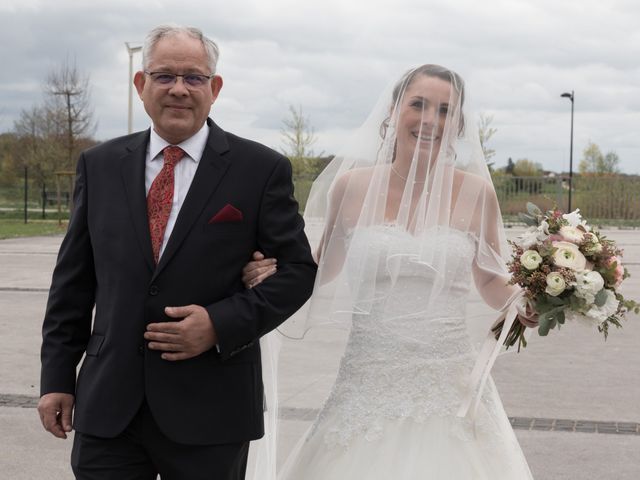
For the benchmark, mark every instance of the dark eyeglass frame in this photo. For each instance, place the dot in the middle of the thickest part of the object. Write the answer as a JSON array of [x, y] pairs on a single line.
[[193, 80]]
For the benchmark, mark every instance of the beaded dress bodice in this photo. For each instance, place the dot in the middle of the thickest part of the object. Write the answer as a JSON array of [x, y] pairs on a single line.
[[410, 355]]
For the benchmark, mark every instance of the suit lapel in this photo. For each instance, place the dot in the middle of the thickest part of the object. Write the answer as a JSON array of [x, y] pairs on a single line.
[[211, 169], [133, 171]]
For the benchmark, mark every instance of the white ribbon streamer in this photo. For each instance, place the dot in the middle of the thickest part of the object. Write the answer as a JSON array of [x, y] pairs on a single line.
[[486, 358]]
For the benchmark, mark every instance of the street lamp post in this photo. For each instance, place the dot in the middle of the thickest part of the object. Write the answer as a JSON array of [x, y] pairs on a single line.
[[571, 97], [131, 51]]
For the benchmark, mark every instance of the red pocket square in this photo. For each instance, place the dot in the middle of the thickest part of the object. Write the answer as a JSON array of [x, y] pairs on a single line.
[[229, 213]]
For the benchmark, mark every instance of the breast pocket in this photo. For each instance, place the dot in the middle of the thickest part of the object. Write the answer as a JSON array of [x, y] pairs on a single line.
[[227, 229]]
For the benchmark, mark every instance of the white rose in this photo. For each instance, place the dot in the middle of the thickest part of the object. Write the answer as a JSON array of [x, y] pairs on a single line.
[[569, 256], [530, 259], [588, 284], [574, 218], [572, 234], [534, 235], [600, 314], [555, 284]]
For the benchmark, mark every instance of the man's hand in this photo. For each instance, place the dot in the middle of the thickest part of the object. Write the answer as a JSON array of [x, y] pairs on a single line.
[[192, 335], [55, 411]]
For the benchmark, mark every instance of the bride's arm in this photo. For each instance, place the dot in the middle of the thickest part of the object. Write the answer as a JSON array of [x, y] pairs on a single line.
[[489, 270], [331, 251], [261, 268]]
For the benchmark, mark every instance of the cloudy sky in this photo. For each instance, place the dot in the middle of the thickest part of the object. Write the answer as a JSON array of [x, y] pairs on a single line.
[[334, 57]]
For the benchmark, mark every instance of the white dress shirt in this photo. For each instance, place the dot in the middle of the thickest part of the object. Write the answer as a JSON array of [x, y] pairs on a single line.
[[184, 170]]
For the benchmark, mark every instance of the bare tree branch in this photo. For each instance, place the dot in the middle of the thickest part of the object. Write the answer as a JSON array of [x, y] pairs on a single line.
[[68, 94], [486, 131]]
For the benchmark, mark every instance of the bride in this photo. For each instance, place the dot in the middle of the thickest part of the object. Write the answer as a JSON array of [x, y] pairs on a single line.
[[411, 229]]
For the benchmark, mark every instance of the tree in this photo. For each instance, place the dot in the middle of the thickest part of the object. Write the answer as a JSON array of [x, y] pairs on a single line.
[[527, 168], [69, 103], [48, 137], [40, 143], [486, 131], [593, 161], [611, 163], [9, 168], [298, 137], [510, 167]]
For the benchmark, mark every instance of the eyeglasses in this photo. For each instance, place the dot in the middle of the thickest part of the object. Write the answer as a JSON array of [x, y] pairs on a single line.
[[193, 80]]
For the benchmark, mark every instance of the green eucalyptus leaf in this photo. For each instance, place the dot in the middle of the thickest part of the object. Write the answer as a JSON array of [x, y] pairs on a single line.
[[557, 301], [542, 305], [528, 220], [533, 209], [543, 329], [601, 298]]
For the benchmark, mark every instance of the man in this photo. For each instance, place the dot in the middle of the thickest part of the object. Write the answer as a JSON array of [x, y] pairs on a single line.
[[171, 378]]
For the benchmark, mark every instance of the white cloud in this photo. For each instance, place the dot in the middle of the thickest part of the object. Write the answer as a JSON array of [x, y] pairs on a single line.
[[334, 57]]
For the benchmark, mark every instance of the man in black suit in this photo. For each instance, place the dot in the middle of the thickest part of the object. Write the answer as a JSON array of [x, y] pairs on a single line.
[[163, 222]]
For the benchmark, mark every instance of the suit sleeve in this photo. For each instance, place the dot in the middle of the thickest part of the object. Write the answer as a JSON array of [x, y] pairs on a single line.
[[67, 322], [244, 317]]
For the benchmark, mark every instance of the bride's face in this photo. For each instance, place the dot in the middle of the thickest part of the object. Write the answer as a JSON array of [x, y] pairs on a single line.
[[422, 115]]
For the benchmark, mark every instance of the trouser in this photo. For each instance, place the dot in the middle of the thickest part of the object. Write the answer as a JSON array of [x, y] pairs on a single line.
[[142, 452]]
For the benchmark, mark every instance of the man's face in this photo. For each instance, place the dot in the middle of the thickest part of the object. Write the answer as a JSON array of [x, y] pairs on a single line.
[[178, 111]]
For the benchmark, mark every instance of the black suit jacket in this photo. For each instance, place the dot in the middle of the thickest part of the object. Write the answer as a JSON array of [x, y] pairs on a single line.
[[106, 262]]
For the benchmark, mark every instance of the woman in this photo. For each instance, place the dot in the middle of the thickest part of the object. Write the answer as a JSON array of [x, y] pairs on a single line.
[[411, 221]]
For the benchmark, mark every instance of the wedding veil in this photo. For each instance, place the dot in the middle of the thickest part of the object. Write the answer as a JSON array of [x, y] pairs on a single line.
[[415, 165]]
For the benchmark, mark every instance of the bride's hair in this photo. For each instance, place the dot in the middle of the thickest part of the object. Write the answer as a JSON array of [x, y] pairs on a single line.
[[428, 70]]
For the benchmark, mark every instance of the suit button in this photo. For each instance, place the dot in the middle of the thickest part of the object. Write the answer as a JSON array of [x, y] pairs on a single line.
[[154, 290], [141, 349]]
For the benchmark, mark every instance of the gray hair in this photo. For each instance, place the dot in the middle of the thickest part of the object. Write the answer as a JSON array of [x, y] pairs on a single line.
[[162, 31]]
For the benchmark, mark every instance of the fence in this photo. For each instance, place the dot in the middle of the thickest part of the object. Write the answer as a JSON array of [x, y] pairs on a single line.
[[613, 200], [40, 202]]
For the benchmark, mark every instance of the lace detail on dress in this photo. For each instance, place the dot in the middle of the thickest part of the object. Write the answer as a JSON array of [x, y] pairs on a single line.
[[402, 360]]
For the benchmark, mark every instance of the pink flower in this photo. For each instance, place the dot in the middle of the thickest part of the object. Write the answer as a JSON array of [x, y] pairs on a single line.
[[618, 273]]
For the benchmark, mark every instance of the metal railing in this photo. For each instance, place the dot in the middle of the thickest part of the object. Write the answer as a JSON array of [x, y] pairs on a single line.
[[612, 199]]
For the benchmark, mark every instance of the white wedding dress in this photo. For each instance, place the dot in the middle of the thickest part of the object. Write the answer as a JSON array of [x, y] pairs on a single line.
[[391, 414]]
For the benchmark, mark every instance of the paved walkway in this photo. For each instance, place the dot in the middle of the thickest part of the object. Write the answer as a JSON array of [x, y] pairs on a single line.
[[573, 399]]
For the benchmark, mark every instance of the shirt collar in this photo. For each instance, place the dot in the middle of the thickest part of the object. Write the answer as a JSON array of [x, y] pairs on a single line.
[[193, 146]]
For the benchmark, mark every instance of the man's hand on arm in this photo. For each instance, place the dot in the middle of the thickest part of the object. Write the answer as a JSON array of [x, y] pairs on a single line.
[[188, 337], [55, 410]]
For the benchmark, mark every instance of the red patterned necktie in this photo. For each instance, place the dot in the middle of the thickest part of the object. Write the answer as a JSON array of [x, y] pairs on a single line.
[[160, 198]]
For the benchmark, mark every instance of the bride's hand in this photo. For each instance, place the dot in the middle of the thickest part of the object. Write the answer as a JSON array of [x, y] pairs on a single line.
[[531, 322], [527, 315], [258, 269]]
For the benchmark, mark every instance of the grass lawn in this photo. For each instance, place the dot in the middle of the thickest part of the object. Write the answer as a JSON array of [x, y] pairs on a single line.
[[10, 228]]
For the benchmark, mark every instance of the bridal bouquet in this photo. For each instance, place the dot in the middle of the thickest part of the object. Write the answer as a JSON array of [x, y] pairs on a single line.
[[568, 272]]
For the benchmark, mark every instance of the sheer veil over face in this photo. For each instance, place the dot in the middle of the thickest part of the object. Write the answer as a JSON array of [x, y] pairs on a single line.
[[416, 165]]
